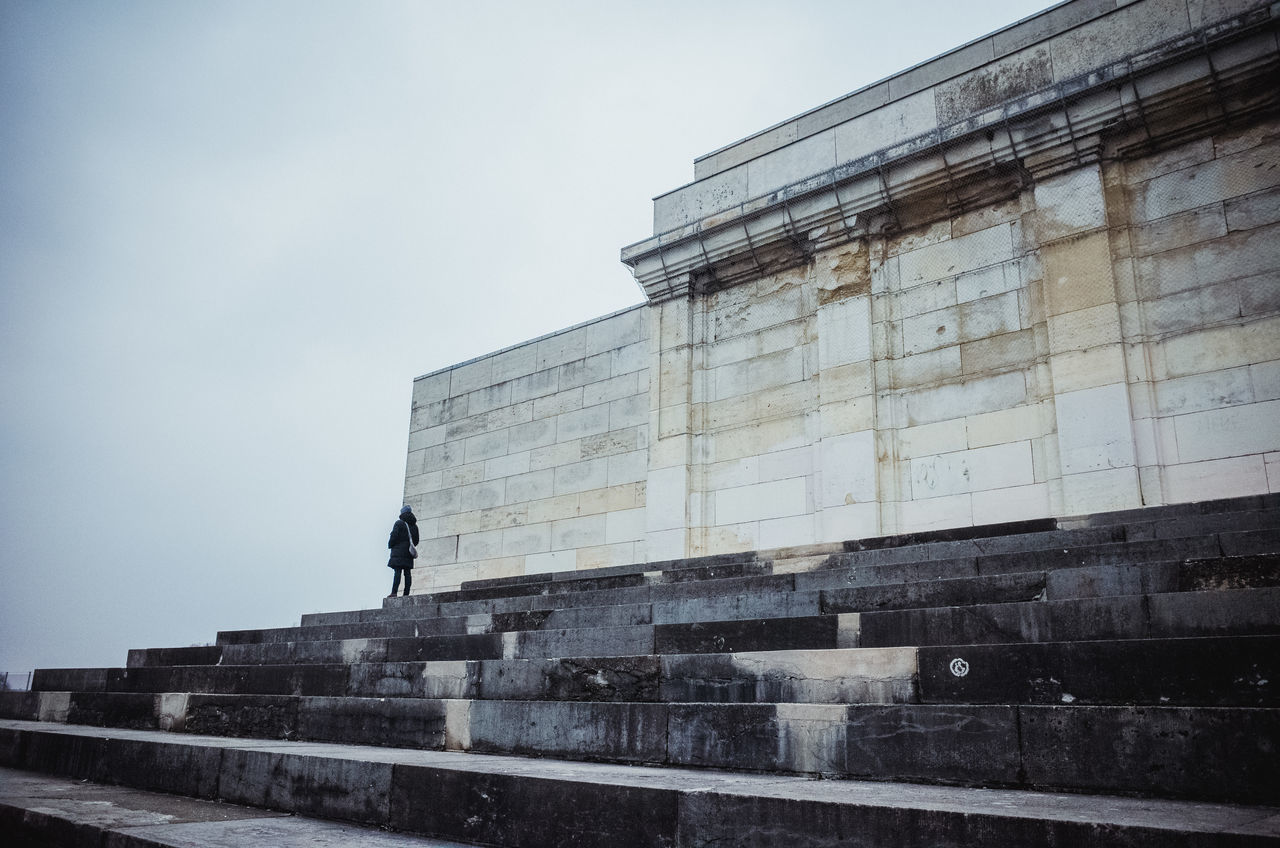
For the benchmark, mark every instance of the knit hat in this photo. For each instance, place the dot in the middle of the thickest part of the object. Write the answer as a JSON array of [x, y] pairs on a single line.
[[405, 508]]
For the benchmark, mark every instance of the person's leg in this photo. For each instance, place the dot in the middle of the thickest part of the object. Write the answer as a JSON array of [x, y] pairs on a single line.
[[408, 580], [395, 582]]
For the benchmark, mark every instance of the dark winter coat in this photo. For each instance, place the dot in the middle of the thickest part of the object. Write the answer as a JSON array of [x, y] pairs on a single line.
[[399, 541]]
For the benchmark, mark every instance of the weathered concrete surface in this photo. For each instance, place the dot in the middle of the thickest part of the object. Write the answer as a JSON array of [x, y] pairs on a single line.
[[516, 801], [1226, 671], [1185, 614], [37, 811]]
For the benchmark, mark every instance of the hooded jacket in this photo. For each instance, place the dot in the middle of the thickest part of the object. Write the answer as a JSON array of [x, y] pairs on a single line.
[[398, 542]]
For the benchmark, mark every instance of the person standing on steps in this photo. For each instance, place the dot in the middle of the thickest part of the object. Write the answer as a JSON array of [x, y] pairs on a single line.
[[403, 544]]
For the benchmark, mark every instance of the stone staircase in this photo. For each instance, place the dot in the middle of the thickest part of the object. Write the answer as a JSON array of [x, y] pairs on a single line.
[[1100, 680]]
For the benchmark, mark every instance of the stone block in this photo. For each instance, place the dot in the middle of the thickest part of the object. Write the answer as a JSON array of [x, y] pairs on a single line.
[[996, 467], [552, 561], [957, 400], [1078, 274], [1159, 750], [549, 406], [630, 358], [925, 368], [927, 742], [486, 446], [1236, 256], [625, 526], [848, 465], [857, 521], [1076, 370], [792, 163], [1253, 210], [398, 722], [999, 351], [934, 513], [616, 388], [580, 372], [578, 532], [582, 476], [1219, 348], [1216, 478], [562, 347], [484, 545], [594, 642], [1110, 38], [988, 282], [949, 258], [1204, 183], [1011, 504], [1094, 429], [515, 363], [904, 118], [1070, 203], [761, 501], [470, 376], [768, 339], [526, 539], [1228, 671], [536, 384], [1230, 431], [717, 735], [919, 299], [1193, 227], [1008, 78], [761, 372], [844, 332], [499, 808], [431, 387], [531, 487], [350, 789], [618, 330], [1201, 392], [577, 424], [631, 411]]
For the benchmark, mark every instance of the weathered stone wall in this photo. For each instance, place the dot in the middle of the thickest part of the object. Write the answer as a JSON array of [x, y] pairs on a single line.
[[533, 459], [1037, 276], [1196, 258]]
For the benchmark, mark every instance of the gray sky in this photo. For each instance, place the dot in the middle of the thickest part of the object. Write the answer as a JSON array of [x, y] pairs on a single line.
[[232, 233]]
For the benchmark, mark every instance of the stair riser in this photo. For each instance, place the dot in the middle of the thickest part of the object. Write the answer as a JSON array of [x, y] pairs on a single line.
[[1247, 612], [1229, 671], [1178, 752]]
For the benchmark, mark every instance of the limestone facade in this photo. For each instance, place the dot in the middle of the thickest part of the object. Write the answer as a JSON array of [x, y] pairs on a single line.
[[1039, 275]]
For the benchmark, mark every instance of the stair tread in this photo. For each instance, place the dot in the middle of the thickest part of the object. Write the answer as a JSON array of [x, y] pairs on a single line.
[[1118, 811]]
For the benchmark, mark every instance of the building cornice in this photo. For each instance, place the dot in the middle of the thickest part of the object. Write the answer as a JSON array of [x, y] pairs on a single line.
[[1215, 74]]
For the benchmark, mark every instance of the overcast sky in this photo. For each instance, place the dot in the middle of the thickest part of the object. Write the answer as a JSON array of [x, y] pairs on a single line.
[[232, 233]]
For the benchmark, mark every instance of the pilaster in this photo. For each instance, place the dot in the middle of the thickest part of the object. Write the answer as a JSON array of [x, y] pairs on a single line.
[[1096, 447]]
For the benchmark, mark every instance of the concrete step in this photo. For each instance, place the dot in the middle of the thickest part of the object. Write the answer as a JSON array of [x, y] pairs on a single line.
[[504, 800], [37, 811], [974, 541], [942, 583], [877, 675], [1210, 671], [780, 648], [1180, 511], [1216, 671], [1220, 612], [851, 569], [317, 645]]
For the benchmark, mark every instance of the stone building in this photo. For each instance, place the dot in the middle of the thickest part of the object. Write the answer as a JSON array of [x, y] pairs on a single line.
[[1035, 276]]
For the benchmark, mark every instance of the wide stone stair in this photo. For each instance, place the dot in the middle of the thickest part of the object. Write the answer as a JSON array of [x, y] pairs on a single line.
[[1098, 680]]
